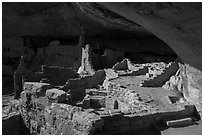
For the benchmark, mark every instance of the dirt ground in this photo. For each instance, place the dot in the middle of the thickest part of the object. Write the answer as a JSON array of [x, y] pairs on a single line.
[[156, 97]]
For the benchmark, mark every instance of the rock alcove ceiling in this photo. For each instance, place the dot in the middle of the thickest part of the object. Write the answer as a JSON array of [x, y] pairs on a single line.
[[170, 22]]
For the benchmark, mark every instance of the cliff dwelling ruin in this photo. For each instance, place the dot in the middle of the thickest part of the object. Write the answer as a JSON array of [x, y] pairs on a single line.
[[101, 68]]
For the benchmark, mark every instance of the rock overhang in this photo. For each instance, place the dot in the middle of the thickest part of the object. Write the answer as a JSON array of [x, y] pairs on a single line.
[[170, 22]]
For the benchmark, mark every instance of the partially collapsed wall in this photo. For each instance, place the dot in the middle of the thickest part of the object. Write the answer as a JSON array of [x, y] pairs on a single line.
[[159, 80], [43, 116], [86, 67], [63, 101], [76, 87], [58, 75]]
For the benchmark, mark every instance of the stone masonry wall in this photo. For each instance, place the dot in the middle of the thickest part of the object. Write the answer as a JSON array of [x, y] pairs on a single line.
[[76, 87], [44, 117], [58, 75], [159, 80], [86, 65]]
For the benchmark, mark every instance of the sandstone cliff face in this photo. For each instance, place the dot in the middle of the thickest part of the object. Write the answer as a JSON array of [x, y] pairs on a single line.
[[50, 19], [37, 19], [177, 24], [192, 83]]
